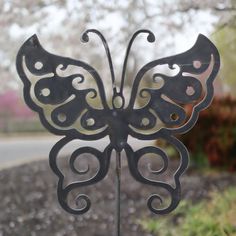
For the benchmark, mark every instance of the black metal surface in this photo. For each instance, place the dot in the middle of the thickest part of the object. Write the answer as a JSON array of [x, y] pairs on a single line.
[[64, 109], [118, 180]]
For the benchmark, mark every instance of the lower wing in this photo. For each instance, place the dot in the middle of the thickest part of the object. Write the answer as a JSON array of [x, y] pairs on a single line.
[[82, 177], [174, 191]]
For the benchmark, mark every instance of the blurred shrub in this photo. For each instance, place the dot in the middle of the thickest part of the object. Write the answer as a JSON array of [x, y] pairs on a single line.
[[215, 217], [15, 116], [213, 138]]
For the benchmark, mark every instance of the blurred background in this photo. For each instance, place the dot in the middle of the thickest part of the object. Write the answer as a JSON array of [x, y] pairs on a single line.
[[28, 188]]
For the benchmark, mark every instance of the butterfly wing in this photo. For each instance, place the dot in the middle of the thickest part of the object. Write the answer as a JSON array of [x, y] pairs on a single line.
[[167, 96], [172, 190], [56, 88], [70, 100], [71, 178], [171, 106]]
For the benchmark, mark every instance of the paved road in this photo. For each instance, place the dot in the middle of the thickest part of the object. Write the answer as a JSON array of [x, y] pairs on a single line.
[[19, 150]]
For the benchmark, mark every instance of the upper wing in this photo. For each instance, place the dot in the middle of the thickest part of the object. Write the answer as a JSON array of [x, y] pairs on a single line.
[[167, 95], [56, 88]]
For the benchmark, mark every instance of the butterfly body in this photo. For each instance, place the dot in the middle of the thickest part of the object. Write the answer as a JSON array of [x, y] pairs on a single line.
[[66, 107], [118, 132]]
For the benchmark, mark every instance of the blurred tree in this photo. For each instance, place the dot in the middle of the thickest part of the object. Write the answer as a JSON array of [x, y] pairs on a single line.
[[226, 42], [224, 35], [225, 38], [59, 24]]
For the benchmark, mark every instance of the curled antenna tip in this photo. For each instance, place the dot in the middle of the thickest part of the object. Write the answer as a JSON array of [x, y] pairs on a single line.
[[85, 37], [151, 37]]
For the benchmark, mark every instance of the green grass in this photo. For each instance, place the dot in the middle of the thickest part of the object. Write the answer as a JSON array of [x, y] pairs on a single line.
[[215, 217]]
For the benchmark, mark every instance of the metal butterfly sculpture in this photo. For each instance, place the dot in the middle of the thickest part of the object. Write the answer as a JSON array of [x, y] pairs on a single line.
[[64, 107]]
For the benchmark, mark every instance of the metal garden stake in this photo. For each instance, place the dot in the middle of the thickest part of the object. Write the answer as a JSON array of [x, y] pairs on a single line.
[[64, 108]]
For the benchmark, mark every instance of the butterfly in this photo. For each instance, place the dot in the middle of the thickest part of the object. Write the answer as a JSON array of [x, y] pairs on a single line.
[[170, 106]]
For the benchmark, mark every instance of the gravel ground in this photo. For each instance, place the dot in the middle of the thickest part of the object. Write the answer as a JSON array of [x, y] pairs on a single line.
[[29, 203]]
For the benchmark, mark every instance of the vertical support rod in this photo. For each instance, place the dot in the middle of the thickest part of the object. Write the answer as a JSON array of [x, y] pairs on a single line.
[[118, 175]]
